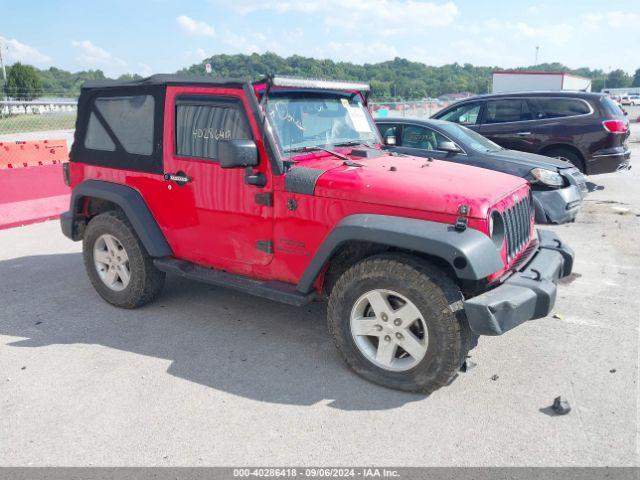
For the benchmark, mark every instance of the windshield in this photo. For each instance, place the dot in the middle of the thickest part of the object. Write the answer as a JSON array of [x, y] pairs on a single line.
[[469, 138], [319, 119]]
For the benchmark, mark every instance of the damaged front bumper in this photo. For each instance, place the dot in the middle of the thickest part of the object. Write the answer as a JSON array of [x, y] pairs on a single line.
[[557, 206], [528, 294]]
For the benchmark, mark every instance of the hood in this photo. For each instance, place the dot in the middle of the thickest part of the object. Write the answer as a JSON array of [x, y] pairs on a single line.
[[411, 182], [530, 160]]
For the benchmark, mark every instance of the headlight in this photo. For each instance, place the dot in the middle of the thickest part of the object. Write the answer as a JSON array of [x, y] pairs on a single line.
[[547, 177]]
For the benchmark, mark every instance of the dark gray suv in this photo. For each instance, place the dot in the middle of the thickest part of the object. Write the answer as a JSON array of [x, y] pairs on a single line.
[[587, 129]]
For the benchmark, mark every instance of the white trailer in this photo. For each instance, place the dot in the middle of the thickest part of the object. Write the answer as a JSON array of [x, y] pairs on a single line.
[[512, 81]]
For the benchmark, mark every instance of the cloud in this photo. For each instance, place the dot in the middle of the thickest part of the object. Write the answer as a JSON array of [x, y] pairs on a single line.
[[197, 55], [16, 51], [94, 56], [558, 34], [352, 51], [255, 42], [195, 27], [376, 14], [145, 70], [614, 19]]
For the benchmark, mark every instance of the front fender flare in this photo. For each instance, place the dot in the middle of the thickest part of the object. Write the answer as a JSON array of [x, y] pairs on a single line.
[[471, 254], [133, 206]]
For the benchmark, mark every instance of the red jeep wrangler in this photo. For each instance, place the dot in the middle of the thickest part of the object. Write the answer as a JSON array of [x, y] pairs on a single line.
[[281, 189]]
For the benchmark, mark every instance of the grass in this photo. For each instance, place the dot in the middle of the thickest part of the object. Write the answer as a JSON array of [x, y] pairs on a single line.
[[36, 123]]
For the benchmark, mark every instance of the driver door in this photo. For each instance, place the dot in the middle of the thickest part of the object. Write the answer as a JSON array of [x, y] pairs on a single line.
[[214, 218]]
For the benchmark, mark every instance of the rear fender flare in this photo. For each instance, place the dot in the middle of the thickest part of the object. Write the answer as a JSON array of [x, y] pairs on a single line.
[[133, 206], [471, 254]]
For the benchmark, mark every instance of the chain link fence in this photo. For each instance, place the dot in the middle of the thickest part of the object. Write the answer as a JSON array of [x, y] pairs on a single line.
[[407, 108], [43, 118]]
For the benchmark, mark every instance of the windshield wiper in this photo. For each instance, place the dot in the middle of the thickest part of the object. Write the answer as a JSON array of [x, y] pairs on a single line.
[[353, 143], [311, 148]]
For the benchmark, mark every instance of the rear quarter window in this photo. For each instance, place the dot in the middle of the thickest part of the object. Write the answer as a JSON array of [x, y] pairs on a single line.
[[558, 107], [612, 107], [130, 118]]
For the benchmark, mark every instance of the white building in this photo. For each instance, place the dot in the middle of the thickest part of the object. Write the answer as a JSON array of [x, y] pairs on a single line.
[[511, 81]]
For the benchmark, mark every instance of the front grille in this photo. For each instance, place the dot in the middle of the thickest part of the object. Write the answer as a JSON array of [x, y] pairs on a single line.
[[517, 221]]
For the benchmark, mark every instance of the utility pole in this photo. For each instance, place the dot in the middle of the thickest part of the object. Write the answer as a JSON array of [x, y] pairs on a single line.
[[535, 61], [4, 71]]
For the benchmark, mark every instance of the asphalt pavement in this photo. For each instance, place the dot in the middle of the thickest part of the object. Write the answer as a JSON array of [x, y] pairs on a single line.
[[207, 376]]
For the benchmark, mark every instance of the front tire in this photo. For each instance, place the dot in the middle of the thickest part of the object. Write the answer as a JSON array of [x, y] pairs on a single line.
[[397, 321], [118, 265]]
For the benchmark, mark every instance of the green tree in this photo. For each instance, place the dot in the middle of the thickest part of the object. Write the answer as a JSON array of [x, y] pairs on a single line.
[[636, 79], [23, 82], [618, 79]]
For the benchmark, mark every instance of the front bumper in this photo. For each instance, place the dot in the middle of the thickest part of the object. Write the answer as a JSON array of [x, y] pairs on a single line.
[[528, 294], [557, 206]]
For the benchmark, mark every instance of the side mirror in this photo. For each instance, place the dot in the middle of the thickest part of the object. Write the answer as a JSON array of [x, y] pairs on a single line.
[[237, 153], [448, 147], [390, 140]]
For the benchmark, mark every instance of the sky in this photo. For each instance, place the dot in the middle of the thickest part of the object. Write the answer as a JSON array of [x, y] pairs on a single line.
[[162, 36]]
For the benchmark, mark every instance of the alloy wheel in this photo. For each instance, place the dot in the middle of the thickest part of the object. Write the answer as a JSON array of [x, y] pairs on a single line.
[[111, 262], [389, 330]]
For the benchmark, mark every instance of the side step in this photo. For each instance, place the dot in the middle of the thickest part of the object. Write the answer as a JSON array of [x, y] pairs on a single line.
[[272, 290]]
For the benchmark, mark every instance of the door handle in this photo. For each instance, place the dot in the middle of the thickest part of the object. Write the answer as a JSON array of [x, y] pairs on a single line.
[[523, 134], [180, 178]]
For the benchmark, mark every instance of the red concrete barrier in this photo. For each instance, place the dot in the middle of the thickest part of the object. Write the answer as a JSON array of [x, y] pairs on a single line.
[[31, 184]]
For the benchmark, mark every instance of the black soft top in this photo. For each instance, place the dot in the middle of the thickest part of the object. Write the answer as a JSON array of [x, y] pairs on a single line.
[[166, 79]]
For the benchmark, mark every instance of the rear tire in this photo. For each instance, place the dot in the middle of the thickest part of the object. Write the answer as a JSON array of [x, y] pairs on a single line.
[[568, 155], [118, 265], [420, 310]]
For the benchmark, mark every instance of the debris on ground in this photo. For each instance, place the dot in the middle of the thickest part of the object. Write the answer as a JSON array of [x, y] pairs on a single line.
[[558, 316], [613, 370], [467, 365], [23, 368], [494, 377], [561, 406]]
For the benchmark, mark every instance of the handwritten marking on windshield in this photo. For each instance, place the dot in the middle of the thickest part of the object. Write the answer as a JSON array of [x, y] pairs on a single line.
[[281, 112]]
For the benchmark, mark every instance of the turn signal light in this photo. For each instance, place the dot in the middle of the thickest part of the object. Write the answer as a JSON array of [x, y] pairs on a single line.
[[615, 126]]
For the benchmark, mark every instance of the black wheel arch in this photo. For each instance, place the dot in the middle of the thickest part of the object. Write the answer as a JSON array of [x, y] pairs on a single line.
[[104, 196], [468, 254], [548, 150]]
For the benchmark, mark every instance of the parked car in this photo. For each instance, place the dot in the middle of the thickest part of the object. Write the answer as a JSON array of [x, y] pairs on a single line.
[[587, 129], [557, 186], [631, 99], [280, 189]]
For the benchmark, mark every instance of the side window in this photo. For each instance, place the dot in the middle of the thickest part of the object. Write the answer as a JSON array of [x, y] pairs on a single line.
[[97, 137], [200, 127], [414, 136], [507, 110], [466, 114], [130, 118], [558, 107]]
